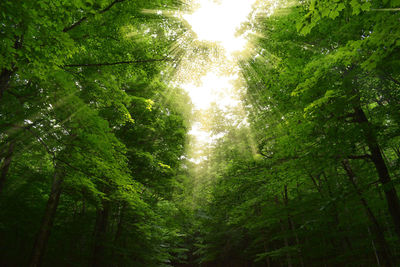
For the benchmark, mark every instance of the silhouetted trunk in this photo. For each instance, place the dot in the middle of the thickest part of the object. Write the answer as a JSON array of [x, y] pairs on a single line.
[[100, 233], [47, 223], [286, 242], [5, 77], [6, 165], [382, 250], [317, 186], [335, 224], [118, 233], [285, 238], [380, 165], [378, 261], [267, 258], [6, 74], [291, 225], [118, 241], [83, 208]]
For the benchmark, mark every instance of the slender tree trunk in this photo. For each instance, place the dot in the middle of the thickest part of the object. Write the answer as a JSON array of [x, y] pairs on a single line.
[[383, 250], [100, 233], [335, 213], [267, 259], [83, 208], [374, 247], [6, 165], [47, 223], [6, 74], [5, 77], [380, 166], [286, 242], [382, 214], [285, 238], [118, 232], [397, 151], [316, 185], [291, 226]]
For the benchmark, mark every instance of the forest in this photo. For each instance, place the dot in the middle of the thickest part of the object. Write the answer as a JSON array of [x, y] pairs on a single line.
[[96, 159]]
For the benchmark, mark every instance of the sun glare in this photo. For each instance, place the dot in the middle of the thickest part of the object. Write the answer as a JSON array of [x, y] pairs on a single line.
[[217, 21], [213, 88]]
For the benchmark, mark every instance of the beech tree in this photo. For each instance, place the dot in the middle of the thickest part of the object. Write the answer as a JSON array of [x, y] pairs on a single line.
[[75, 77], [95, 160], [322, 174]]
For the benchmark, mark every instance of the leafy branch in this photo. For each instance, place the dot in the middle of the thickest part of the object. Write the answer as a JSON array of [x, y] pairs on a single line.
[[77, 23], [117, 63]]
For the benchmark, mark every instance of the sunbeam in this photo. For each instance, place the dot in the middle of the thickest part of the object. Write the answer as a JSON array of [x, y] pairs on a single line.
[[217, 22]]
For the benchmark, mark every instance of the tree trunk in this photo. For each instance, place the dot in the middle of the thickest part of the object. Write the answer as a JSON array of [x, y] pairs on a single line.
[[6, 74], [100, 234], [285, 239], [83, 208], [267, 259], [335, 214], [6, 165], [284, 231], [47, 223], [121, 214], [380, 165], [286, 242], [291, 225], [5, 78], [383, 250], [374, 247]]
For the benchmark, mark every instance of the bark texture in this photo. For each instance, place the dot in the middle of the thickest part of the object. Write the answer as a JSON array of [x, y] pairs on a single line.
[[42, 237], [381, 168]]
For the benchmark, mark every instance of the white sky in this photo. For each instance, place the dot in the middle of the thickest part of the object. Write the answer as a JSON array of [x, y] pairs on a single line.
[[213, 88], [216, 21]]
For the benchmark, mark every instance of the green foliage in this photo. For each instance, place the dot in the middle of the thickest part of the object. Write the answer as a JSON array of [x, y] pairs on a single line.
[[311, 193], [93, 138], [82, 97]]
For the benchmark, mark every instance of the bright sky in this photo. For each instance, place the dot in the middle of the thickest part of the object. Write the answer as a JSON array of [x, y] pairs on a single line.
[[213, 88], [216, 21]]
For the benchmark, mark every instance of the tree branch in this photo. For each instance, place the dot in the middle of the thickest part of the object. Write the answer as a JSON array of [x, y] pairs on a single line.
[[264, 155], [116, 63], [77, 23]]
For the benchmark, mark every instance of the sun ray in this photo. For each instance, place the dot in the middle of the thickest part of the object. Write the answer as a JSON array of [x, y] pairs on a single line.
[[217, 23]]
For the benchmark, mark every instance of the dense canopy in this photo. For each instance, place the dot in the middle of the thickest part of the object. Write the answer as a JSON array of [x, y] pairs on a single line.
[[96, 159]]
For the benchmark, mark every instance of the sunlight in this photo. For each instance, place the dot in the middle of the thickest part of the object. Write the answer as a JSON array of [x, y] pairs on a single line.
[[218, 21], [213, 88]]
